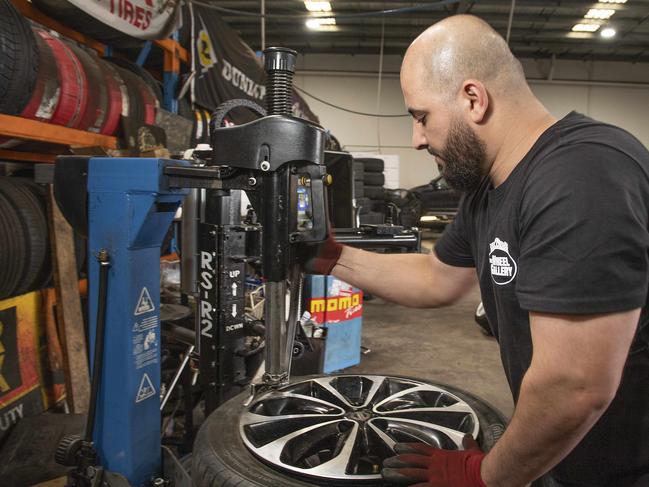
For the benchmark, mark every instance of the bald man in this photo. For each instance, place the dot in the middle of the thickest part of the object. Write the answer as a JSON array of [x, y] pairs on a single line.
[[554, 229]]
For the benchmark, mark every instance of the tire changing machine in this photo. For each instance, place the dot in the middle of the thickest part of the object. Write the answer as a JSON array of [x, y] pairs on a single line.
[[126, 205]]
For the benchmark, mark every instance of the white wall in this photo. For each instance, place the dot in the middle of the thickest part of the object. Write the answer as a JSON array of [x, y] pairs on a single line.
[[613, 92]]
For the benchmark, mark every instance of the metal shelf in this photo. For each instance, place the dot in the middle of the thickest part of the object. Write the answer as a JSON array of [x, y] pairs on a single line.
[[23, 128]]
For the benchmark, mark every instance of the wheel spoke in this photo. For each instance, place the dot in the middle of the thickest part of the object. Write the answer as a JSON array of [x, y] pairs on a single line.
[[273, 450], [325, 383], [413, 390], [312, 399], [459, 407], [248, 419], [455, 435], [376, 385], [389, 441], [339, 463]]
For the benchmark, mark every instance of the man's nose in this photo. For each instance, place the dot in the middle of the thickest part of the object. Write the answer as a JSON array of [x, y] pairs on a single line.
[[419, 141]]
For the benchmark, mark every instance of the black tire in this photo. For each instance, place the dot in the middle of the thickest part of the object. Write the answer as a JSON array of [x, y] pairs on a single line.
[[359, 171], [34, 230], [13, 258], [375, 192], [359, 189], [374, 178], [45, 273], [135, 102], [18, 60], [139, 71], [221, 459], [372, 164], [96, 110]]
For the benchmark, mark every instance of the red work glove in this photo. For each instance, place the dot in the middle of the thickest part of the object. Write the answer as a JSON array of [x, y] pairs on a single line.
[[322, 257], [423, 465]]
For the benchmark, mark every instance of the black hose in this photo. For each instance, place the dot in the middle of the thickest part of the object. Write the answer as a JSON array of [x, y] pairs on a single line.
[[98, 359]]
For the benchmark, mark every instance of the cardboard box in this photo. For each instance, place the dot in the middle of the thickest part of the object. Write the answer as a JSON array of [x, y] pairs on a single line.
[[338, 307], [28, 385]]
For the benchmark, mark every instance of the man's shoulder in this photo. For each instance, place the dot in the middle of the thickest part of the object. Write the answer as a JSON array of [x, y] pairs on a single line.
[[580, 145], [580, 133]]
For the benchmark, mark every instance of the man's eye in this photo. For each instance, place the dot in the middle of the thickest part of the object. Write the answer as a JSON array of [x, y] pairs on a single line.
[[422, 120]]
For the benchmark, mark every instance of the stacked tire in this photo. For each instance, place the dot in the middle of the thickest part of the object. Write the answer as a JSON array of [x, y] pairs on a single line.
[[18, 60], [25, 261], [25, 253], [369, 190]]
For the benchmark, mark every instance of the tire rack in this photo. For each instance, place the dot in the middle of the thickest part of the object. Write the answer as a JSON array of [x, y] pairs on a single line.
[[67, 293], [23, 128]]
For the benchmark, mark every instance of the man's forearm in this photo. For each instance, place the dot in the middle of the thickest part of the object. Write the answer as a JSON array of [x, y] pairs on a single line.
[[400, 278], [550, 420]]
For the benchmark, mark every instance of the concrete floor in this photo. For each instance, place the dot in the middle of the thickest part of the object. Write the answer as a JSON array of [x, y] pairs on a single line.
[[443, 345]]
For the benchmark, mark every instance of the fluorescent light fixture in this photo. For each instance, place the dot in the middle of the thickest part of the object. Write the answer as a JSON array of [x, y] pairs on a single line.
[[321, 23], [585, 27], [599, 13], [612, 1], [608, 32], [313, 6]]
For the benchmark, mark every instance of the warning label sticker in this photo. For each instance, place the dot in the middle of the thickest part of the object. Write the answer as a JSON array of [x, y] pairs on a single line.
[[145, 324], [144, 304], [146, 389], [145, 348]]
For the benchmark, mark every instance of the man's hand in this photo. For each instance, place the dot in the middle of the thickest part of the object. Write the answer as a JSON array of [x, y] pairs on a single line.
[[423, 465], [322, 257]]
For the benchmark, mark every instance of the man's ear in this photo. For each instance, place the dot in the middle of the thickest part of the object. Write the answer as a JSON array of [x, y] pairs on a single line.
[[474, 99]]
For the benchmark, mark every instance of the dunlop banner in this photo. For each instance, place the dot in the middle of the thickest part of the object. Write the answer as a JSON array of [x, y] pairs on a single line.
[[227, 68]]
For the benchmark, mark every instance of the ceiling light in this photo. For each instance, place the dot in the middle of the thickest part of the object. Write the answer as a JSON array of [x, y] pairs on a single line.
[[608, 32], [321, 23], [612, 1], [599, 13], [585, 27], [313, 6]]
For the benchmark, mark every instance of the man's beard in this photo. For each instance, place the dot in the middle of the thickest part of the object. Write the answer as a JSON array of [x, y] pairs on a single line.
[[464, 157]]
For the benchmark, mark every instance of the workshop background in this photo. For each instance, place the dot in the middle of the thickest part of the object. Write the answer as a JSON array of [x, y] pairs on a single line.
[[126, 80]]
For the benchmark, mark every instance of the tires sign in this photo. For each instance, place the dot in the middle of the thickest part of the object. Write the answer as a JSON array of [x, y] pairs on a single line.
[[144, 19]]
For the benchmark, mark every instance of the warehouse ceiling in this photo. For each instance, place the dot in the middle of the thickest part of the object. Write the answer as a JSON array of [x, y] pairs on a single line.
[[539, 28]]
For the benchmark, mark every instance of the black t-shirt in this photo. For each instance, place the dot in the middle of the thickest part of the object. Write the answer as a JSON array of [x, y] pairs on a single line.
[[567, 232]]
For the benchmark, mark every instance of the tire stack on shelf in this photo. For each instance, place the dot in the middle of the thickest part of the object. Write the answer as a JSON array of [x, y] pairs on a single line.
[[18, 60], [368, 183], [47, 78], [25, 256], [25, 262]]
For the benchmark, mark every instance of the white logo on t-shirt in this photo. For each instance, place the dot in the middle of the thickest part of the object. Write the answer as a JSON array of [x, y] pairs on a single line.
[[503, 266]]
